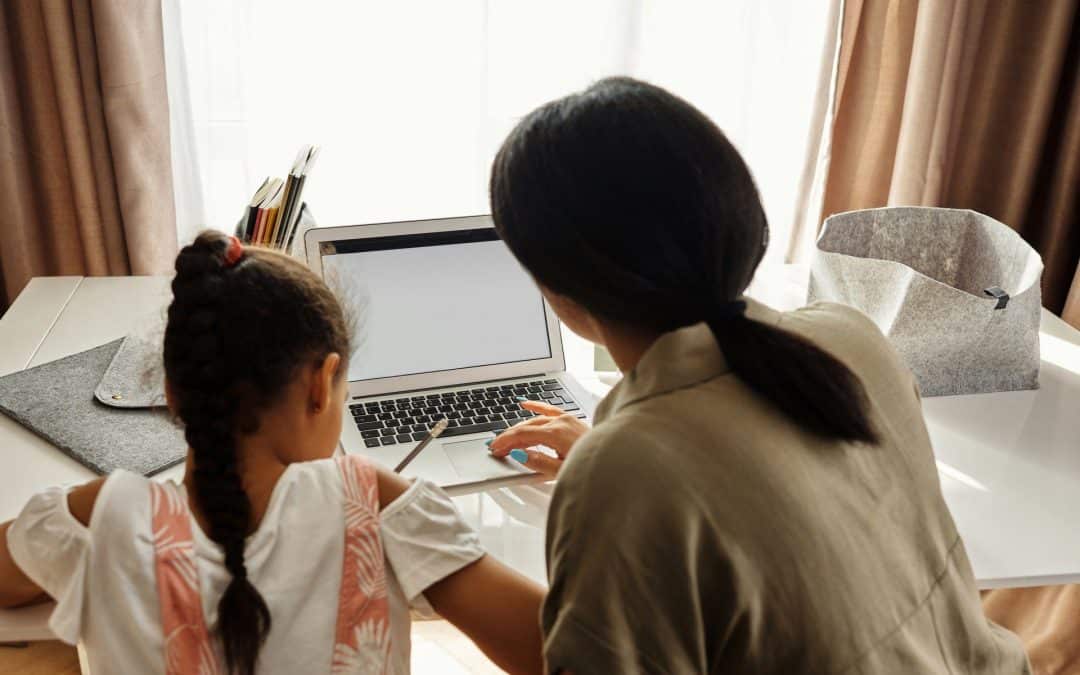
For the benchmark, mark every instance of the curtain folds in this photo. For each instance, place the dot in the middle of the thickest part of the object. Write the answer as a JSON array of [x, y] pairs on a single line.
[[84, 133], [1047, 619], [973, 104], [967, 104], [808, 197]]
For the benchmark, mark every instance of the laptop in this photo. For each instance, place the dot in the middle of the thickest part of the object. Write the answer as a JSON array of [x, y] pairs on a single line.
[[448, 325]]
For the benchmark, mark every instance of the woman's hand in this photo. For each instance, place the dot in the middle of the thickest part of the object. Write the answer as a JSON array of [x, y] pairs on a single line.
[[552, 427]]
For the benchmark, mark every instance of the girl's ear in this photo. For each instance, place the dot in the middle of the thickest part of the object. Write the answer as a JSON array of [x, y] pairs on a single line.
[[322, 384]]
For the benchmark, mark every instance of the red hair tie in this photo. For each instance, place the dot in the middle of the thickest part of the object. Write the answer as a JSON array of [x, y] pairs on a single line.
[[234, 252]]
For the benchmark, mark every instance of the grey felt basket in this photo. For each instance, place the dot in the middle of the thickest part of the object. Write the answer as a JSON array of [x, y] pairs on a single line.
[[955, 291]]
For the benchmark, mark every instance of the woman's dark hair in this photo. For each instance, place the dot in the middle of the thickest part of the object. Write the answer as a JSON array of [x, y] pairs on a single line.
[[236, 336], [630, 202]]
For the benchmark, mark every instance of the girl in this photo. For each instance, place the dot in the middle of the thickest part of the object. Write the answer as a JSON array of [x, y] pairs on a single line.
[[759, 494], [270, 557]]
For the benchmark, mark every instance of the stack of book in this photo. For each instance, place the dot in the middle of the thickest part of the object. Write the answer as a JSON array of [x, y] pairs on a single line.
[[273, 212]]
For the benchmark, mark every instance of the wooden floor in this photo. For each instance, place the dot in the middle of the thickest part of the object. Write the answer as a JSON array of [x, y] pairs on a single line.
[[39, 658], [437, 649]]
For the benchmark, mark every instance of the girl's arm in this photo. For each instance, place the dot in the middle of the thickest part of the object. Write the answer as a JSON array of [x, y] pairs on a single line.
[[17, 589], [498, 609], [495, 606]]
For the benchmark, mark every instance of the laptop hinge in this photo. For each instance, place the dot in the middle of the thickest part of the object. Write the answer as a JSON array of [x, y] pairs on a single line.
[[450, 386]]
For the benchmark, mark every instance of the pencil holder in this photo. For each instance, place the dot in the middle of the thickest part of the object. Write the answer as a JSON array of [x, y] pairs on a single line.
[[294, 247], [304, 222]]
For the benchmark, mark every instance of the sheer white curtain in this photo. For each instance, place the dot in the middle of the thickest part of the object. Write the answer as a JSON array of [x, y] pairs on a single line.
[[411, 99]]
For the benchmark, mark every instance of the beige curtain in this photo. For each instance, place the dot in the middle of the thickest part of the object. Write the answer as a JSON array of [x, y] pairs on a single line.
[[85, 179], [973, 104], [1047, 619], [969, 104]]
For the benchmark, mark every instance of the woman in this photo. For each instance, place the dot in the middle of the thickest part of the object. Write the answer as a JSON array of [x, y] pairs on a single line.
[[759, 493]]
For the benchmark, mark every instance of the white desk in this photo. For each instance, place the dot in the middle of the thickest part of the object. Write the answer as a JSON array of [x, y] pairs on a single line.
[[57, 316], [1010, 462]]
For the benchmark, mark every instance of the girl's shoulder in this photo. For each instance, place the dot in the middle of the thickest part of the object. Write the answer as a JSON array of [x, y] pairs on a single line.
[[323, 478], [53, 546], [121, 503], [124, 500]]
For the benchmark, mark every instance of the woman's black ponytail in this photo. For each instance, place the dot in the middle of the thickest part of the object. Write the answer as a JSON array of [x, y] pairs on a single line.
[[808, 384], [238, 327], [629, 201]]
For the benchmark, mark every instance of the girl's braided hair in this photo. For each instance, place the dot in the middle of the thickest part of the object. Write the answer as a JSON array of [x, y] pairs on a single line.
[[238, 331]]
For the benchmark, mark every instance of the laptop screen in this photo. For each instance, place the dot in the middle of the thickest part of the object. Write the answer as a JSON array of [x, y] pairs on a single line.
[[436, 301]]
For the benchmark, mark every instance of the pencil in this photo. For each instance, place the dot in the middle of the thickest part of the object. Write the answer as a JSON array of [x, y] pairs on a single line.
[[433, 433]]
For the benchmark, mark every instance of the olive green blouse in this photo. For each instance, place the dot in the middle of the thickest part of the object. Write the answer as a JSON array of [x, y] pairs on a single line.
[[696, 529]]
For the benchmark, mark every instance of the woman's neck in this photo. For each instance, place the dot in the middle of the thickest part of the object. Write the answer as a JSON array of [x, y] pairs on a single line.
[[627, 345]]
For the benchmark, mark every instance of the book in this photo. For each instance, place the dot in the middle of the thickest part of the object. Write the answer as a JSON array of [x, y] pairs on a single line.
[[294, 211], [278, 226], [263, 211], [260, 217], [291, 183], [272, 206], [251, 212]]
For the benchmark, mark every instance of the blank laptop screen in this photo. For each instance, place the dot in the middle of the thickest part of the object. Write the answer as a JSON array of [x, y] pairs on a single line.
[[438, 301]]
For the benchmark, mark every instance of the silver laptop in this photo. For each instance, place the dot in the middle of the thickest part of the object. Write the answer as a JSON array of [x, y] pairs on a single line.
[[448, 325]]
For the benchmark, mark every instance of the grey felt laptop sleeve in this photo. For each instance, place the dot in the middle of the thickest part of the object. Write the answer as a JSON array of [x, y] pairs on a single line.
[[103, 407]]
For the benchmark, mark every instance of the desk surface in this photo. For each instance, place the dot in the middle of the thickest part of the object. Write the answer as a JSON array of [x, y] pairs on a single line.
[[1009, 462]]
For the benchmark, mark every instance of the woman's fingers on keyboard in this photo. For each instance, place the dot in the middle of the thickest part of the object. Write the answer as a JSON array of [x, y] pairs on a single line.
[[521, 435], [542, 408], [558, 433], [539, 461]]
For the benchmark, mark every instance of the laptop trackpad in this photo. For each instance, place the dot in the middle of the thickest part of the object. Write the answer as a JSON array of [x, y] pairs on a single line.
[[473, 461]]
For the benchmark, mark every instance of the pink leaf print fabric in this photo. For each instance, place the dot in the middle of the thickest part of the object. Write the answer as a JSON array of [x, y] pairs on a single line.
[[362, 633], [362, 641], [187, 643]]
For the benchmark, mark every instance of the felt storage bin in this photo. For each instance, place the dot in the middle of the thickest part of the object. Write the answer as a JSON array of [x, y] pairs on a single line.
[[955, 291]]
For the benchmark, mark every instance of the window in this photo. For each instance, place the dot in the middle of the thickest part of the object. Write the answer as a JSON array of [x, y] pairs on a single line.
[[410, 100]]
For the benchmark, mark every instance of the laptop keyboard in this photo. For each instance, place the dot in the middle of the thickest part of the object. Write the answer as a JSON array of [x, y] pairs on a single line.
[[469, 411]]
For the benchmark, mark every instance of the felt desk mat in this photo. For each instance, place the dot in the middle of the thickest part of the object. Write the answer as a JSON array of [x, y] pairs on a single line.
[[56, 401]]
